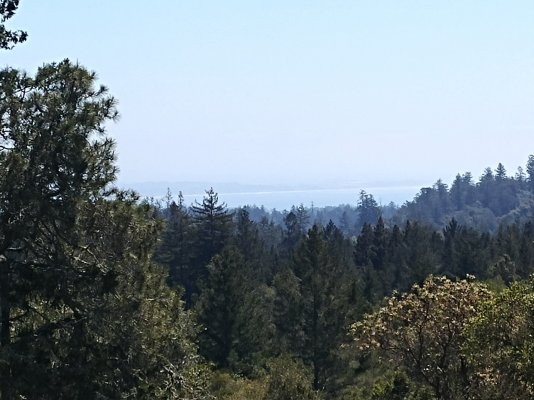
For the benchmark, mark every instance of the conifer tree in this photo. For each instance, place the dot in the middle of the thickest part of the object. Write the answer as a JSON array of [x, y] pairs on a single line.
[[368, 209], [500, 172], [175, 249], [318, 302], [84, 312], [212, 221], [219, 305]]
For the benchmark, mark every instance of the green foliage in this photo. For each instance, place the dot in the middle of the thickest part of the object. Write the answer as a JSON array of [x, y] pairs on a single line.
[[228, 387], [499, 342], [237, 317], [255, 332], [390, 386], [145, 338], [212, 222], [368, 210], [8, 38], [174, 250], [422, 333], [284, 379], [289, 379], [54, 165], [211, 226], [482, 205], [84, 311], [312, 302], [219, 305]]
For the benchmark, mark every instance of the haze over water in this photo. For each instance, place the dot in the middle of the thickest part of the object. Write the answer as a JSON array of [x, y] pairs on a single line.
[[280, 198]]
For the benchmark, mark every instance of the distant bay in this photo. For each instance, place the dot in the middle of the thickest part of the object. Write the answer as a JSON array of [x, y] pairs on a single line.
[[281, 197]]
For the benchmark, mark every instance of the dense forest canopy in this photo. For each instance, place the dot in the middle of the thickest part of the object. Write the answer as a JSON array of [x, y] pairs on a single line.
[[106, 296], [289, 284]]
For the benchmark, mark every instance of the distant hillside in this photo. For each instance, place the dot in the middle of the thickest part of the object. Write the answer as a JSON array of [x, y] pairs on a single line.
[[494, 199]]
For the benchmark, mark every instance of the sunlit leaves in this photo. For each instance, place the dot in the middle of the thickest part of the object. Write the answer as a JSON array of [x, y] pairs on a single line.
[[422, 332]]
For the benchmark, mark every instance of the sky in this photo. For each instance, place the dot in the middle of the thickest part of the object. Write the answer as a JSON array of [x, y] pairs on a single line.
[[300, 92]]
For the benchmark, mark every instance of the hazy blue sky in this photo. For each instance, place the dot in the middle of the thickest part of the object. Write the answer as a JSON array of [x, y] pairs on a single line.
[[301, 91]]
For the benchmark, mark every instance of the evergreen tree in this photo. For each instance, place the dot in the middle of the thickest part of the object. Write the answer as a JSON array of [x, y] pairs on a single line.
[[368, 209], [520, 177], [486, 187], [500, 172], [218, 305], [212, 223], [443, 199], [246, 237], [292, 234], [228, 308], [174, 250], [302, 216], [212, 220], [322, 303], [530, 172], [462, 191], [287, 312], [80, 300], [457, 193]]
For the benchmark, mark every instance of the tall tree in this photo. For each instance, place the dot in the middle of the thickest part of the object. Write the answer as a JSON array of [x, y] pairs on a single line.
[[75, 270], [229, 307], [500, 172], [212, 219], [320, 302], [212, 223], [53, 159], [368, 209], [246, 237], [176, 243]]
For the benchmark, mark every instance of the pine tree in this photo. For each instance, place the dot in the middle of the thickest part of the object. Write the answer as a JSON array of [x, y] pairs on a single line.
[[81, 303]]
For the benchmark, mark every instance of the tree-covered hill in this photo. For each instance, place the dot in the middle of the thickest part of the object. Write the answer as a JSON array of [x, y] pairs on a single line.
[[484, 204]]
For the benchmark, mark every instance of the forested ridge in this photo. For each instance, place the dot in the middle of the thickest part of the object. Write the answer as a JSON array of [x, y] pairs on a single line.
[[104, 295], [495, 198]]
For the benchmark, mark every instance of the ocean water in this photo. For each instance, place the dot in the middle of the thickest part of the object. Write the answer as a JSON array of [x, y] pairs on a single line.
[[284, 199]]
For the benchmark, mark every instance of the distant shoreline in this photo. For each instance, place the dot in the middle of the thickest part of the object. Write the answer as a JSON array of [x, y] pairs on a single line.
[[281, 198]]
